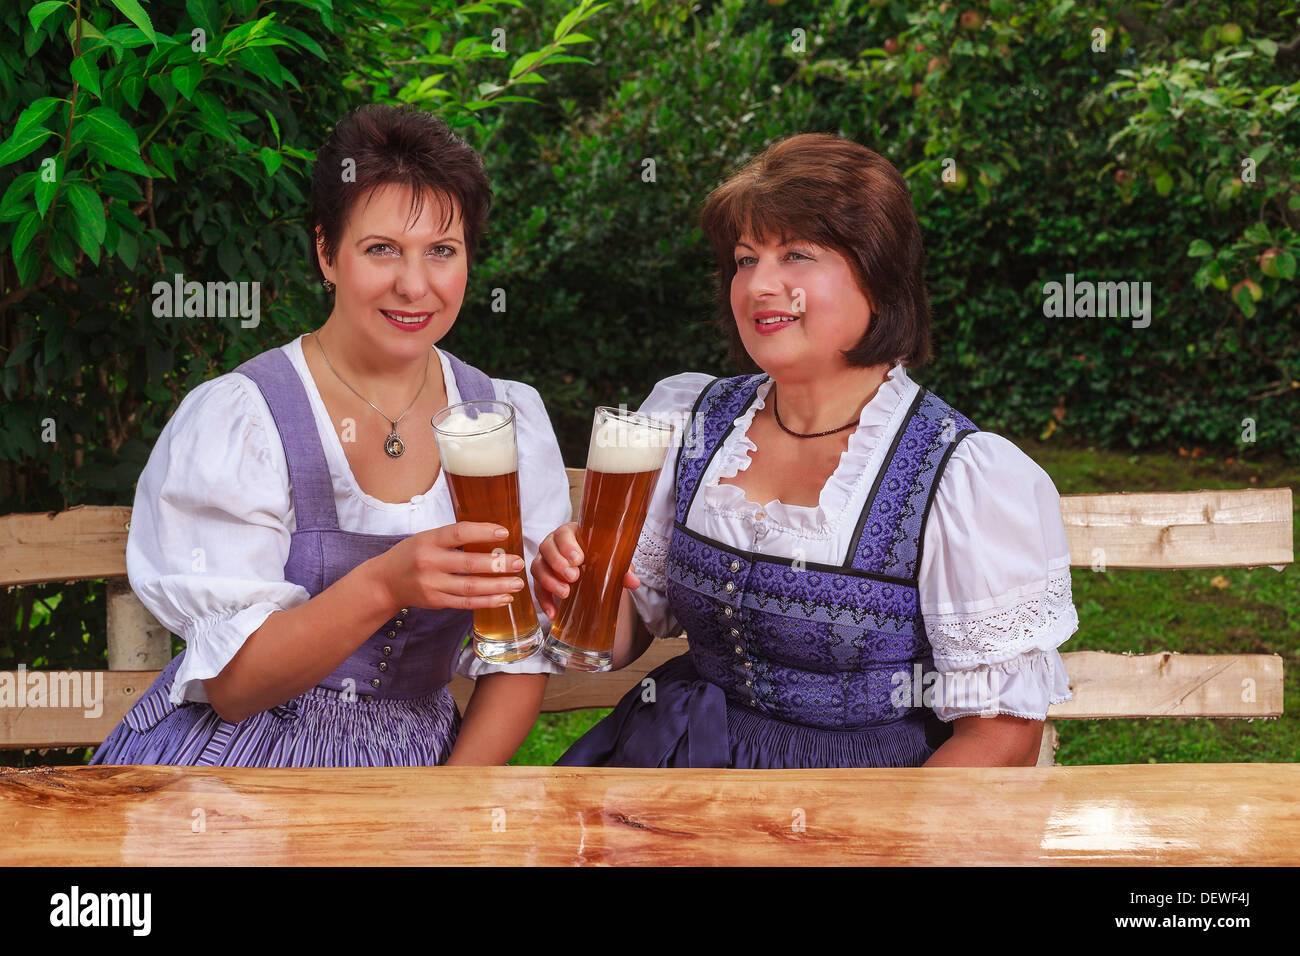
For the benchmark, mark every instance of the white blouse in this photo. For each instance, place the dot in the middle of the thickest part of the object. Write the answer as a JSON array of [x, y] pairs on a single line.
[[213, 514], [994, 579]]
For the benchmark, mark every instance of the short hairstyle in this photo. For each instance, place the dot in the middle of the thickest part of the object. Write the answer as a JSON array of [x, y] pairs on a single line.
[[395, 145], [841, 195]]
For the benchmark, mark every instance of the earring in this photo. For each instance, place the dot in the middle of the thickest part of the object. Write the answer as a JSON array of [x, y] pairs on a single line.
[[327, 285]]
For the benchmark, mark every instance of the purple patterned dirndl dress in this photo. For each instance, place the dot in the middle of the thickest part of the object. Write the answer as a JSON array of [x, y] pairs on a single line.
[[386, 705], [791, 664]]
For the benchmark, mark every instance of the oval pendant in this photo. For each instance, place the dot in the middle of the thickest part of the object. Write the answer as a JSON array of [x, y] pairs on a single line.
[[394, 446]]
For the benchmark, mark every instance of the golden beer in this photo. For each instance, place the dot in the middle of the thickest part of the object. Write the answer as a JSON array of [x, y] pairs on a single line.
[[476, 442], [624, 459]]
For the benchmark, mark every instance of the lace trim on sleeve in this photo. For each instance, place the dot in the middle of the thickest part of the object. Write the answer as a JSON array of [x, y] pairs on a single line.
[[650, 561], [1042, 620]]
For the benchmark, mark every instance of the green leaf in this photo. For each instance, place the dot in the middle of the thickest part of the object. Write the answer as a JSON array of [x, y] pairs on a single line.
[[45, 190], [161, 156], [88, 31], [566, 23], [135, 13], [113, 145], [85, 70], [37, 113], [120, 185], [128, 249], [271, 160], [202, 14], [525, 61], [263, 63], [566, 58], [22, 142], [1245, 302], [62, 253], [576, 38], [1258, 233], [1260, 153], [213, 117], [1265, 46], [186, 79], [89, 214], [1285, 264], [164, 88], [26, 231], [14, 205], [129, 38], [1198, 248], [275, 127], [29, 267], [302, 39], [38, 14]]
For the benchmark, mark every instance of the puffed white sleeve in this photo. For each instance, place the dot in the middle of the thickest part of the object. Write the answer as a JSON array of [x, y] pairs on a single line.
[[995, 584], [210, 528], [543, 505], [670, 400]]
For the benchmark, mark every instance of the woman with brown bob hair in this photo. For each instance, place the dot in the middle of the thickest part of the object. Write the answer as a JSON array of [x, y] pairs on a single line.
[[864, 577], [294, 525]]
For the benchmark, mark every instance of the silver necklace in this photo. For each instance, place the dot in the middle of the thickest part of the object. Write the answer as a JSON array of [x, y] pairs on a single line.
[[394, 446]]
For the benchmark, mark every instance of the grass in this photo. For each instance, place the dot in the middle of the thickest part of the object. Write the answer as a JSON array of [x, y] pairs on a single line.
[[1229, 611]]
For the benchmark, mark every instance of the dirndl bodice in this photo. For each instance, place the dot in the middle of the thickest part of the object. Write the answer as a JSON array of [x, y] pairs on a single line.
[[800, 658], [386, 704]]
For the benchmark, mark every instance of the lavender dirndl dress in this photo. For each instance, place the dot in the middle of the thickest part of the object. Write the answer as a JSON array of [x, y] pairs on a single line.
[[791, 664], [386, 705]]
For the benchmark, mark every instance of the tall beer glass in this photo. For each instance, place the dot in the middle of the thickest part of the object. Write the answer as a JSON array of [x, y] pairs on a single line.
[[476, 441], [626, 453]]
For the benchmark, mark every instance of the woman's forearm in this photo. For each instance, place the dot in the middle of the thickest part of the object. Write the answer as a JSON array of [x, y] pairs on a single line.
[[631, 636], [1000, 741], [498, 717], [294, 650]]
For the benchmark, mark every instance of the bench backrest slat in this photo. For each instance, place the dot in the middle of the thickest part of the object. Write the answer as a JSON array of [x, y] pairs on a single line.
[[1183, 529], [1104, 685]]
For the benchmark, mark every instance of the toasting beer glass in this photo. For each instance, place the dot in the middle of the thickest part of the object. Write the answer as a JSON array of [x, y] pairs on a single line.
[[626, 452], [476, 441]]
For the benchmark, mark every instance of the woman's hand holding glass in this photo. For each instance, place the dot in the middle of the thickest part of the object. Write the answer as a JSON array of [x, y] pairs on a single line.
[[558, 564], [427, 570]]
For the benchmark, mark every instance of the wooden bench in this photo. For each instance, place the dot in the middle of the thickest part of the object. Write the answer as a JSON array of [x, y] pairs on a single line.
[[1200, 529]]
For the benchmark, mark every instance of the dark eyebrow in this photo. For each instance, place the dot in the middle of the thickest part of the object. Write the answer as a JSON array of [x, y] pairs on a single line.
[[788, 242], [444, 239]]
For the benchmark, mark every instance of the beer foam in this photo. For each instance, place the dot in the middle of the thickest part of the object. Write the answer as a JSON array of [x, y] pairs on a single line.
[[621, 447], [477, 455]]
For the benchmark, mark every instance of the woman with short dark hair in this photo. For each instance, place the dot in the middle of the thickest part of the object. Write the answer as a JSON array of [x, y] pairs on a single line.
[[293, 524], [864, 577]]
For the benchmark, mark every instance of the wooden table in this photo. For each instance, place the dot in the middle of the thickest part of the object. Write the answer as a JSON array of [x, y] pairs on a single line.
[[1176, 814]]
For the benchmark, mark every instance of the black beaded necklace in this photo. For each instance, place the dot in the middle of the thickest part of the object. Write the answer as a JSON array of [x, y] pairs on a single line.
[[781, 424]]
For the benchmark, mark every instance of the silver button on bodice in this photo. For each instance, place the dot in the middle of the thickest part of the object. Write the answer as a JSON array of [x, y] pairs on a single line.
[[735, 566], [383, 665], [729, 587]]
